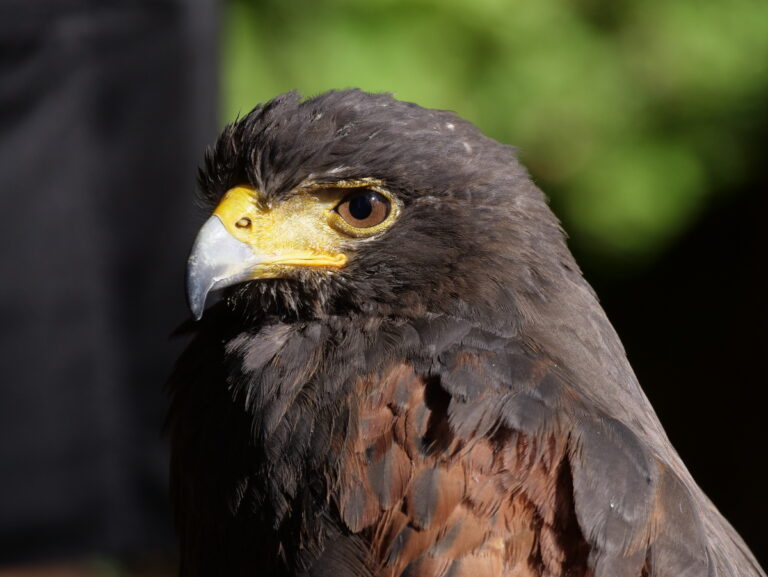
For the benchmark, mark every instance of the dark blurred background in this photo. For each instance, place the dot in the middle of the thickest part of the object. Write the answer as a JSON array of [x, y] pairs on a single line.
[[646, 122], [105, 109]]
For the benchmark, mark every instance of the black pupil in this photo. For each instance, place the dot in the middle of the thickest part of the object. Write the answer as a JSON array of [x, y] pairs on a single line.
[[361, 206]]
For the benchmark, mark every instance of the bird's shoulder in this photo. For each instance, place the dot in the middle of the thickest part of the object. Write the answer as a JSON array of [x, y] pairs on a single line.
[[480, 455]]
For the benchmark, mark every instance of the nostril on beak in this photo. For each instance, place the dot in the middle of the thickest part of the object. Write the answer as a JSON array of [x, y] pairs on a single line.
[[244, 222]]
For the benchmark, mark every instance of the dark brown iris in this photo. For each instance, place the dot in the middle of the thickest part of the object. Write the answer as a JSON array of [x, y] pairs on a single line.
[[364, 209]]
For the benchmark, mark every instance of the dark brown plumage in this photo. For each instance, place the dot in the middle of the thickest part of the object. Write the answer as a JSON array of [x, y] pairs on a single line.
[[451, 402]]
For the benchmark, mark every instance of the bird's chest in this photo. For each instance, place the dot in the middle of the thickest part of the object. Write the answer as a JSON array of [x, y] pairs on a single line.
[[363, 462], [387, 486]]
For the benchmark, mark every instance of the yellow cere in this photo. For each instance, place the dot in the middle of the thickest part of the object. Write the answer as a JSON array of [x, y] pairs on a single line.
[[302, 230]]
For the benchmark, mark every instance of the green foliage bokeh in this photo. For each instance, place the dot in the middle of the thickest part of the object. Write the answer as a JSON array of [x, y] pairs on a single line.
[[630, 114]]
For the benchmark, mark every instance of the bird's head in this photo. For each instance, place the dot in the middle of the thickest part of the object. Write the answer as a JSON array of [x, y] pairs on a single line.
[[357, 203]]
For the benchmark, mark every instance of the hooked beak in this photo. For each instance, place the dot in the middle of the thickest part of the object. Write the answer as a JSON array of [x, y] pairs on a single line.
[[218, 260], [245, 240]]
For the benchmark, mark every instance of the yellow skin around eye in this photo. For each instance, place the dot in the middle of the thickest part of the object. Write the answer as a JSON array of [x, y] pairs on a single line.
[[303, 230]]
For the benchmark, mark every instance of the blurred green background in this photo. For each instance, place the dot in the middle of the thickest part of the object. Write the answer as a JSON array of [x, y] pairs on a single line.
[[632, 115]]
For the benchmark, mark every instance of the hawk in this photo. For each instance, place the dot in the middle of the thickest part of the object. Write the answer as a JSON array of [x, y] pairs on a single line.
[[406, 373]]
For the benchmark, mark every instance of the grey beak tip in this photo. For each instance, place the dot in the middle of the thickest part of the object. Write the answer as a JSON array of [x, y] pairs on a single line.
[[195, 296], [199, 283], [197, 311]]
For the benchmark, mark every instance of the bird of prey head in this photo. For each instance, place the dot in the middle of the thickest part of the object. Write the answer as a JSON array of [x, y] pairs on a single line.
[[357, 203], [407, 374]]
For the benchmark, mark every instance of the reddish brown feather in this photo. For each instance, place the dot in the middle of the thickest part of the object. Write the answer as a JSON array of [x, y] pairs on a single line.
[[426, 566], [465, 531], [433, 495], [357, 502], [433, 505], [390, 475], [488, 562]]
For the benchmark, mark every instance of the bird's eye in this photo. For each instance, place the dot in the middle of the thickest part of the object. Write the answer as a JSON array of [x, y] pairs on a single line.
[[364, 209]]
